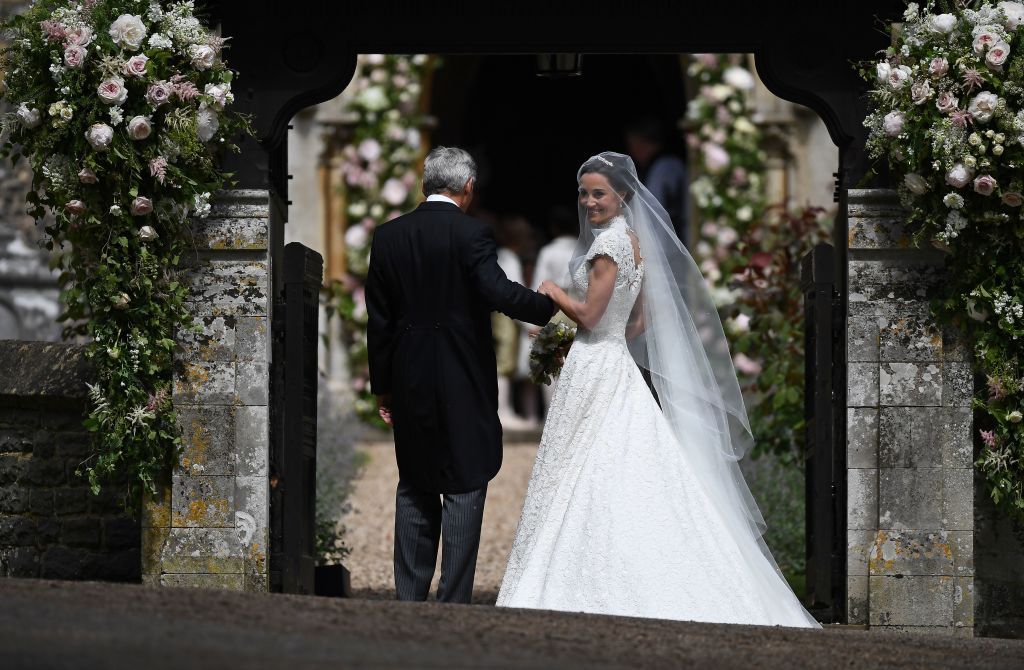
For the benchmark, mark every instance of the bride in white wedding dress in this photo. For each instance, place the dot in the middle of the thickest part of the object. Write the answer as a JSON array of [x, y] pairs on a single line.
[[636, 505]]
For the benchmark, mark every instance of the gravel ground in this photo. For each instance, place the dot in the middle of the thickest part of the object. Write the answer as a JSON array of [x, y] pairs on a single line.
[[371, 523], [87, 625]]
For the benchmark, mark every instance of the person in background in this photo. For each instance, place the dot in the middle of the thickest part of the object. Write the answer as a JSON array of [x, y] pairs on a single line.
[[553, 265], [506, 334], [663, 173]]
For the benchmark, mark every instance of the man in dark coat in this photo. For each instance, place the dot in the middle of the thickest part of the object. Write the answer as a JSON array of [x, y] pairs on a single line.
[[433, 282]]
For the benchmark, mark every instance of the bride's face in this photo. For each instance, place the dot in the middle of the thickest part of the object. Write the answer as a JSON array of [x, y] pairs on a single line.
[[599, 199]]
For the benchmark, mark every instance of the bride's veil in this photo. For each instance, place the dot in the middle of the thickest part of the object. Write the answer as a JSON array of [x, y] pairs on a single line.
[[684, 348]]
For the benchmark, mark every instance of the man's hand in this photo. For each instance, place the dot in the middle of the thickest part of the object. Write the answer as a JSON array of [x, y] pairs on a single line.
[[551, 290], [384, 408]]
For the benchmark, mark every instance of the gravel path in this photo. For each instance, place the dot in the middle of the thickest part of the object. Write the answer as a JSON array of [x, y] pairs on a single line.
[[87, 625], [371, 522]]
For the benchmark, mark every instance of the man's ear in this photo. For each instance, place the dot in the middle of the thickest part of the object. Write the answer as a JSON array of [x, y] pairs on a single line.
[[470, 185]]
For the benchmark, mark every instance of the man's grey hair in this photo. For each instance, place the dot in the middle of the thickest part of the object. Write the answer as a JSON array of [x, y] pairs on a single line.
[[447, 169]]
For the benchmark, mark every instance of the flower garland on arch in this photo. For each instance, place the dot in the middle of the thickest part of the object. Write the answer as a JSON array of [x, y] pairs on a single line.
[[947, 103], [750, 252], [120, 110], [381, 181]]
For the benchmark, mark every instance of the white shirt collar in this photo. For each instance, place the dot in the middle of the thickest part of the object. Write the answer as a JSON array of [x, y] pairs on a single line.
[[437, 197]]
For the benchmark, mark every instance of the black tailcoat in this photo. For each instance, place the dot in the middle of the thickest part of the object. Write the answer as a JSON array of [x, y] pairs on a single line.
[[433, 282]]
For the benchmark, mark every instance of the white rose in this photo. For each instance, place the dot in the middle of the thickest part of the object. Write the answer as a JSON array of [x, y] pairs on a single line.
[[87, 176], [883, 70], [946, 102], [899, 76], [112, 91], [99, 136], [1015, 416], [141, 206], [916, 183], [373, 98], [1014, 12], [938, 67], [997, 55], [147, 233], [920, 92], [140, 127], [394, 192], [136, 65], [943, 23], [356, 236], [207, 123], [75, 206], [202, 56], [959, 175], [893, 123], [738, 77], [30, 118], [221, 94], [983, 106], [369, 150], [128, 31], [74, 56]]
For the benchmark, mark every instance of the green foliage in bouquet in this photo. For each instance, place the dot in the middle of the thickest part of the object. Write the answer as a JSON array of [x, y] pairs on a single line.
[[549, 349], [119, 108], [381, 172], [948, 117]]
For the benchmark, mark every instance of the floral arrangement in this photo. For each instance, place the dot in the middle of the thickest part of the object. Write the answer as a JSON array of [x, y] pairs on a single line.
[[948, 117], [381, 175], [119, 108], [749, 252], [549, 349]]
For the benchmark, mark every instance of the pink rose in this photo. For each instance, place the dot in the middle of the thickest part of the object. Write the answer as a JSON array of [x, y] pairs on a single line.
[[87, 176], [159, 93], [99, 135], [920, 92], [946, 102], [80, 36], [136, 65], [112, 91], [997, 55], [141, 206], [74, 56], [938, 67], [139, 128], [985, 185], [75, 206], [1013, 199], [984, 40], [715, 157], [899, 76]]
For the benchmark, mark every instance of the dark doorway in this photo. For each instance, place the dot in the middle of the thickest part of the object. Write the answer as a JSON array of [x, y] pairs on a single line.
[[530, 134]]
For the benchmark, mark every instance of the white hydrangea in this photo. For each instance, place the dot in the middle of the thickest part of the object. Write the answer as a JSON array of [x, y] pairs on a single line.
[[160, 41], [116, 116], [953, 200]]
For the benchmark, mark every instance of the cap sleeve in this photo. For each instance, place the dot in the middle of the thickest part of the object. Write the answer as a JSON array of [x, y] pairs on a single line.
[[614, 244]]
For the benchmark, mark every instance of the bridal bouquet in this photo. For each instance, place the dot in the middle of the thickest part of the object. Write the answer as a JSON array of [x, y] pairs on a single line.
[[947, 115], [549, 350], [120, 108]]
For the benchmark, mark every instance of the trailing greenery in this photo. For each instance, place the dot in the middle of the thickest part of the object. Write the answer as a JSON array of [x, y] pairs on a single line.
[[947, 116], [120, 111], [381, 181]]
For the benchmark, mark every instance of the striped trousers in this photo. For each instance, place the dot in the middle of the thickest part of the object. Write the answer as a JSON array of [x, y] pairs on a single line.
[[421, 521]]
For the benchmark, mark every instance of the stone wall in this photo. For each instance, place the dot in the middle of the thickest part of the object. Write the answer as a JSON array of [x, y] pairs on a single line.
[[50, 524], [910, 494], [209, 526]]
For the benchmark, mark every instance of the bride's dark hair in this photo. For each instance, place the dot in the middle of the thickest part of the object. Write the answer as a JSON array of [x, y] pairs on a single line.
[[612, 172]]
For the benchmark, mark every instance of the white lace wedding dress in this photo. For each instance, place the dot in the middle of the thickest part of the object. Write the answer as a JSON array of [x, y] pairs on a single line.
[[614, 521]]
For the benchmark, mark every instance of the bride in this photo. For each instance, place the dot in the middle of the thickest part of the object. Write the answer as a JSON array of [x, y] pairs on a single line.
[[636, 505]]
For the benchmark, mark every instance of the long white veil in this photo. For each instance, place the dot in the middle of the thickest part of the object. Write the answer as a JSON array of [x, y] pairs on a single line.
[[684, 348]]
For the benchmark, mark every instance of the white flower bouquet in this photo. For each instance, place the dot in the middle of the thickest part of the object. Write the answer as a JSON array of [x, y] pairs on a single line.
[[549, 349]]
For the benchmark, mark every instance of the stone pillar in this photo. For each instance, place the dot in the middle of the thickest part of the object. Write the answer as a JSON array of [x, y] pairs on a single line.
[[209, 526], [909, 446]]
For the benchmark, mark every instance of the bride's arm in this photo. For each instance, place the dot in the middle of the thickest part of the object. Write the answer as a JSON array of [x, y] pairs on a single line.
[[599, 293], [637, 325]]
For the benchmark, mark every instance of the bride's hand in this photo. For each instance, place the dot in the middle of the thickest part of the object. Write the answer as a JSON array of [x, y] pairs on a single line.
[[548, 288]]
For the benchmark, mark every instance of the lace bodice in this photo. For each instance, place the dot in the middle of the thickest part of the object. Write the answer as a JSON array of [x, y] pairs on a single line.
[[614, 242]]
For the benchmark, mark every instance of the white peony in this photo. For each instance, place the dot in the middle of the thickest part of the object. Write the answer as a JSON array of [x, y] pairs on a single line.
[[140, 127], [207, 123], [30, 118], [1014, 12], [893, 123], [959, 175], [943, 23], [739, 77], [202, 56], [916, 183], [983, 106], [883, 70], [128, 31], [112, 91], [99, 135]]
